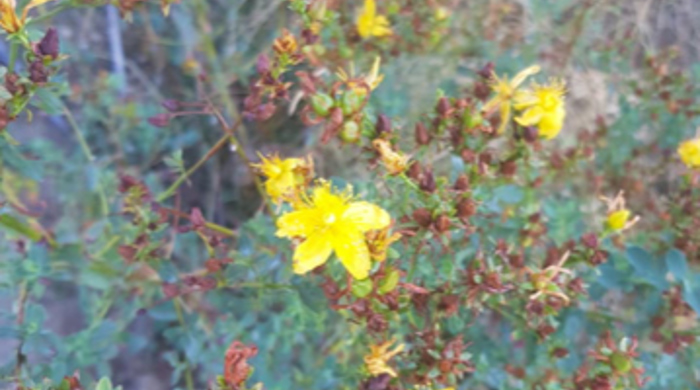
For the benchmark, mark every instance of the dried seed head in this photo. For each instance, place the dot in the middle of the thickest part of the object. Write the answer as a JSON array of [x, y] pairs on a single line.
[[423, 217], [444, 107], [442, 223], [466, 208], [462, 183], [422, 135], [427, 183]]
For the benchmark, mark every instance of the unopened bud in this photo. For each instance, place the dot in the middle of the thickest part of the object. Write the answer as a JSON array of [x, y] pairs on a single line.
[[422, 135], [48, 46], [487, 71], [383, 124], [462, 183], [443, 107], [159, 120], [427, 183]]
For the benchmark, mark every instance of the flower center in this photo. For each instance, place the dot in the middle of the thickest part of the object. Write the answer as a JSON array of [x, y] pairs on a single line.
[[329, 219]]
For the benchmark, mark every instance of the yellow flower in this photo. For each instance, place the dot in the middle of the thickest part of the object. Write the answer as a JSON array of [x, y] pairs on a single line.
[[362, 83], [618, 216], [543, 106], [690, 153], [369, 24], [284, 176], [618, 219], [394, 162], [331, 222], [505, 93], [376, 361], [9, 20]]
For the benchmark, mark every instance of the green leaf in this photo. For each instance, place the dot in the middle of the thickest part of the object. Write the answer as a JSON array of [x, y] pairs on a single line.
[[48, 101], [389, 282], [20, 228], [677, 263], [646, 267], [362, 288], [104, 384]]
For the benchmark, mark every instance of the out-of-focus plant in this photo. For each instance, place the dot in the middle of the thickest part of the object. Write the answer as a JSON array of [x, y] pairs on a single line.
[[475, 250]]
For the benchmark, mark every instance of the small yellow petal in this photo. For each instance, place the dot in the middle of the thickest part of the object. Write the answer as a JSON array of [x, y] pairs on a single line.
[[530, 117]]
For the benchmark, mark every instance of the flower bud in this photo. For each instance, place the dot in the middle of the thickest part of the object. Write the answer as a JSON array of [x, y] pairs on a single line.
[[159, 120], [414, 171], [422, 135], [462, 183], [481, 91], [383, 124], [352, 100], [466, 208], [487, 71], [442, 223], [322, 103], [423, 217], [428, 184], [590, 240], [48, 46], [350, 132], [444, 107], [508, 168]]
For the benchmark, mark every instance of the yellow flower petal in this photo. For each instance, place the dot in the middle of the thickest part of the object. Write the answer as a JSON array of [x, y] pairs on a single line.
[[530, 117], [311, 253], [381, 26], [551, 123], [300, 223], [353, 252], [505, 117], [365, 216], [522, 75]]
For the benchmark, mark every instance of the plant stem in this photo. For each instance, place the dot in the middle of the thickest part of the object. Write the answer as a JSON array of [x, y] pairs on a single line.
[[209, 225], [171, 190], [188, 370], [88, 154], [21, 302], [14, 51]]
